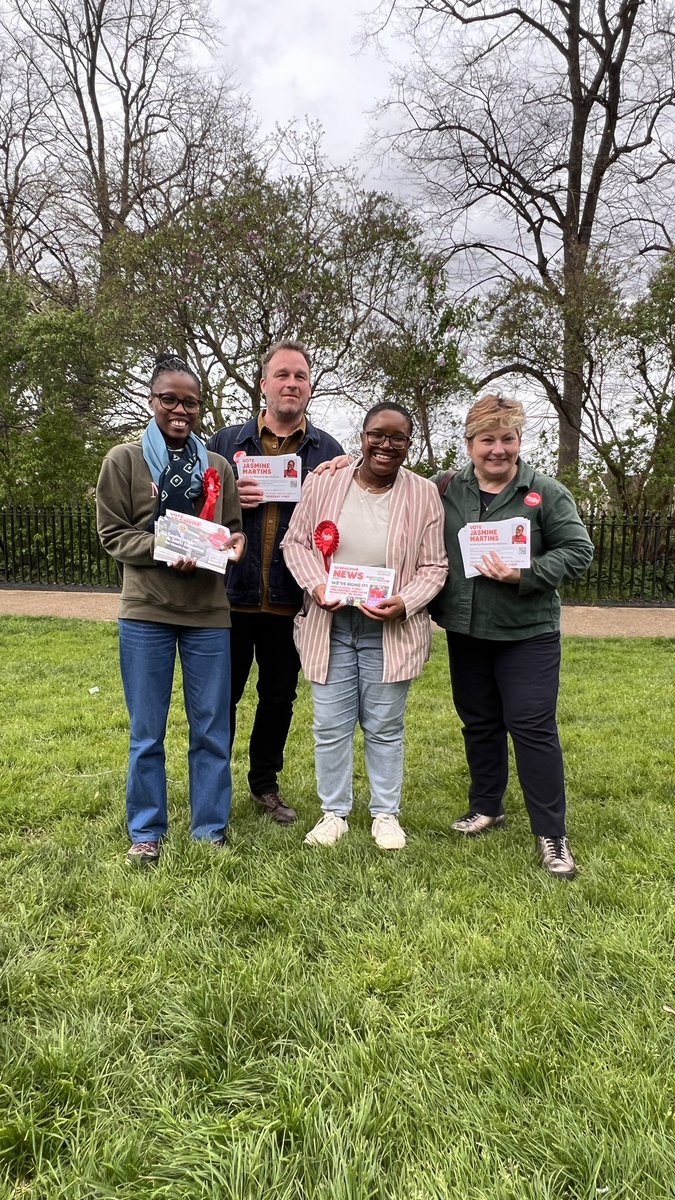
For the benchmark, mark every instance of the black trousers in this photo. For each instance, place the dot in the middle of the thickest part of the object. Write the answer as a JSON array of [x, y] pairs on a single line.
[[511, 687], [268, 638]]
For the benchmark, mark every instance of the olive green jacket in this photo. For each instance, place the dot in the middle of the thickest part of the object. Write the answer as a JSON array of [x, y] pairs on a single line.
[[126, 502], [560, 549]]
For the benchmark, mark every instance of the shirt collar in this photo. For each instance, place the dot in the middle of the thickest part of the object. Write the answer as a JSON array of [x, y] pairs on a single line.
[[302, 427]]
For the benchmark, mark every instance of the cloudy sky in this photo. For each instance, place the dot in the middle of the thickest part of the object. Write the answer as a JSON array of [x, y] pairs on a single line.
[[302, 57]]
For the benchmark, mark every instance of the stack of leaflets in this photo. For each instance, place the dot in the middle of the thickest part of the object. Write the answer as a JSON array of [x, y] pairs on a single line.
[[510, 539], [180, 535], [357, 585]]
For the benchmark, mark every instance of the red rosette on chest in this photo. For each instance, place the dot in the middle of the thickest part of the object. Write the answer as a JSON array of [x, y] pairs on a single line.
[[327, 540], [211, 489]]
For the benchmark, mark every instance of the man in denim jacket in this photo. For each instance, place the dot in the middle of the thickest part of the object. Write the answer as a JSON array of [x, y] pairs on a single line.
[[264, 596]]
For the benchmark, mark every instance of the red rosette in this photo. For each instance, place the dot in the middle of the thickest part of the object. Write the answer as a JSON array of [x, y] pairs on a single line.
[[211, 489], [326, 539]]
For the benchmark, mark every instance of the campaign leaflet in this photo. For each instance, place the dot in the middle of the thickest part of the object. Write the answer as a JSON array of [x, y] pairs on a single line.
[[181, 535], [280, 476], [510, 539], [357, 585]]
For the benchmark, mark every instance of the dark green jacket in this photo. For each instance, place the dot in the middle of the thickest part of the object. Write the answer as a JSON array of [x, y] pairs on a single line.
[[560, 549]]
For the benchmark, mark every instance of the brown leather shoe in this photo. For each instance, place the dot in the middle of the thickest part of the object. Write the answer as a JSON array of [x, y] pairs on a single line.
[[271, 804]]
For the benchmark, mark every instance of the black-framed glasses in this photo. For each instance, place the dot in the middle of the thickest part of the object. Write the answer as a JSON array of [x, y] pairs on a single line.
[[168, 402], [397, 441]]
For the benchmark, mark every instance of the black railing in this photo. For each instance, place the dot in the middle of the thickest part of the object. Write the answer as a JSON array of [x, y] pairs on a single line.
[[634, 558], [55, 545]]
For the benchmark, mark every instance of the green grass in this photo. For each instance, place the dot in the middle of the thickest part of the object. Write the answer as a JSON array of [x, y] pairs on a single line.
[[282, 1023]]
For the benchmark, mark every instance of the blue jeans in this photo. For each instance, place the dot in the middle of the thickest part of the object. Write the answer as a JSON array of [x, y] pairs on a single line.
[[353, 692], [147, 659]]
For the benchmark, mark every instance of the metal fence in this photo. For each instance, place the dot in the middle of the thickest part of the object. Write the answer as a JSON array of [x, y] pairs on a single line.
[[54, 546], [634, 558]]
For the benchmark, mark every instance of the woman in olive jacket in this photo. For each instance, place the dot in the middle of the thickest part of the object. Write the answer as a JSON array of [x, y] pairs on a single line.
[[503, 629], [169, 607]]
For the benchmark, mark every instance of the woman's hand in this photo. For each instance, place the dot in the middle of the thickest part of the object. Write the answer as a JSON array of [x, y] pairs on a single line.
[[251, 494], [237, 543], [392, 609], [334, 464], [494, 567], [185, 566], [319, 597]]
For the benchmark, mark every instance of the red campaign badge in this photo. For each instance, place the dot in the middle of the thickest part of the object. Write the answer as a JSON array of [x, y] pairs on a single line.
[[532, 499], [326, 539], [238, 456], [211, 489]]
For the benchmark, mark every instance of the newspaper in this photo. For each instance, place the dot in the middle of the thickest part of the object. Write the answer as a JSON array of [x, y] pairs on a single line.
[[360, 585], [280, 476], [510, 539], [181, 535]]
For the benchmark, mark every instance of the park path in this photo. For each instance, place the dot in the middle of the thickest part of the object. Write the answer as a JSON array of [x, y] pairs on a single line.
[[103, 606]]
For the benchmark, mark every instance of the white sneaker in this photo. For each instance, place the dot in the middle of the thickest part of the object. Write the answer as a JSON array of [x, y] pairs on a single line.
[[387, 832], [327, 831]]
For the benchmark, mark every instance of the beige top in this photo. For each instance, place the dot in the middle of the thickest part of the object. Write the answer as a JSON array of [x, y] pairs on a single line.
[[363, 525]]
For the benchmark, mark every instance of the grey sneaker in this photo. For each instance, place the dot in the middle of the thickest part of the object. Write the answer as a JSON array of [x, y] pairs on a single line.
[[143, 854], [473, 824], [556, 857]]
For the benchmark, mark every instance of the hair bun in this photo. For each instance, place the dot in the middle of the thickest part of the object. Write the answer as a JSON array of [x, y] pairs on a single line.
[[169, 356]]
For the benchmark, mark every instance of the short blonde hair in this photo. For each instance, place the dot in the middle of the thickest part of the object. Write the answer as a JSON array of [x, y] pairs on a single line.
[[494, 412]]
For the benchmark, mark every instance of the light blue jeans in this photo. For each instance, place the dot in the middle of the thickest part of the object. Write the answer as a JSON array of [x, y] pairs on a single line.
[[353, 692], [147, 659]]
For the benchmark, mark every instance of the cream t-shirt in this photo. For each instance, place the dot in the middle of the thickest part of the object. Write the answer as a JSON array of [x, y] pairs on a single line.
[[363, 526]]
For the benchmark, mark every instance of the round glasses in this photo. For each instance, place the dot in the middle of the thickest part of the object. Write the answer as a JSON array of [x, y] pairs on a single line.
[[168, 402], [397, 441]]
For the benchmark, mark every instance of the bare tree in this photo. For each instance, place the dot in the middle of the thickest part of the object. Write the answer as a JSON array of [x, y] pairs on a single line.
[[27, 184], [542, 135], [134, 128]]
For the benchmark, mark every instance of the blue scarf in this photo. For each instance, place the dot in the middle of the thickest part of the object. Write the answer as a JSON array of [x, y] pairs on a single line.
[[179, 482]]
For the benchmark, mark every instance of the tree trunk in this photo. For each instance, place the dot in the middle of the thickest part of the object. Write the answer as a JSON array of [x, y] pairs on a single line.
[[572, 404], [423, 417]]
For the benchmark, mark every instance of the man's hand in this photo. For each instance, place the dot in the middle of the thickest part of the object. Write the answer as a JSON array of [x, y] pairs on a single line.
[[334, 464], [319, 597], [185, 566], [392, 609], [237, 543], [494, 567], [250, 493]]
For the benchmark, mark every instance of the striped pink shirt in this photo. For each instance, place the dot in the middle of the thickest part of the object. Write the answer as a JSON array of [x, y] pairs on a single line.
[[415, 549]]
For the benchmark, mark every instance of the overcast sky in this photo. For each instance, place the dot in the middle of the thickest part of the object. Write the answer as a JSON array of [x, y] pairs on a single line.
[[298, 58]]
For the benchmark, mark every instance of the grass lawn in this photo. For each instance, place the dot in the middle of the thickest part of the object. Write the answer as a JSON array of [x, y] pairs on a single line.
[[281, 1023]]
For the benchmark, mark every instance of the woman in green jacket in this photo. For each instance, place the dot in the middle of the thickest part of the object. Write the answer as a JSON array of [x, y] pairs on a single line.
[[503, 629]]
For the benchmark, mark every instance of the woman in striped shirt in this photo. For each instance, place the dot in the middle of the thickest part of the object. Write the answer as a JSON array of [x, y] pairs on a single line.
[[360, 659]]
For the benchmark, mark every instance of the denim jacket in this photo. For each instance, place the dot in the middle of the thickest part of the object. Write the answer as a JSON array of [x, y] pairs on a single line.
[[244, 579]]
